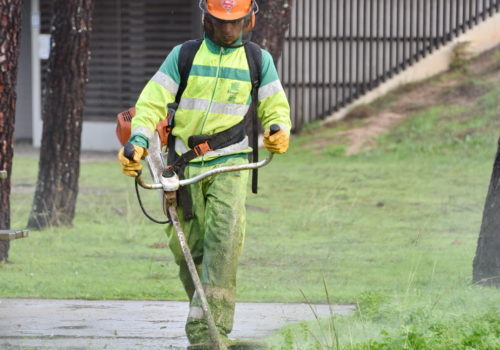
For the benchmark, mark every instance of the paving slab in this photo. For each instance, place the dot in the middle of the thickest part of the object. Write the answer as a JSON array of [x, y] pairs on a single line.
[[43, 324]]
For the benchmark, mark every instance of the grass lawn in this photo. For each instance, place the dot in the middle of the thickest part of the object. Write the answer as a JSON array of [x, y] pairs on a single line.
[[393, 229]]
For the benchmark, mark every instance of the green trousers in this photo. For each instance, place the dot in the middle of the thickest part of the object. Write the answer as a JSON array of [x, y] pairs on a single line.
[[215, 236]]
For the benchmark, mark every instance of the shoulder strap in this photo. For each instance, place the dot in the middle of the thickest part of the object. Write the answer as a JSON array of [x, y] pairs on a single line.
[[186, 57], [254, 58], [184, 64]]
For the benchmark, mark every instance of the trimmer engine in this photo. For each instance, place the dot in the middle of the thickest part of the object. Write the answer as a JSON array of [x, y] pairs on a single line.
[[123, 127]]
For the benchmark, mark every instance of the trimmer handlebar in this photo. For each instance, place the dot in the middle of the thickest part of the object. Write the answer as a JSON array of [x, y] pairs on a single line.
[[169, 180]]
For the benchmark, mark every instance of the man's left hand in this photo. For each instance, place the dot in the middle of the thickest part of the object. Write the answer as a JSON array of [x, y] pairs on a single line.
[[277, 142]]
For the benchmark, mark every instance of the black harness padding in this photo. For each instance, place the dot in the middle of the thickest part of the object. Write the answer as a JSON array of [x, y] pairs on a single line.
[[254, 58], [185, 62], [200, 144]]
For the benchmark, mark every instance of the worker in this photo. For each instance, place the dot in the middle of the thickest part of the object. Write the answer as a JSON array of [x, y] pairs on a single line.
[[216, 98]]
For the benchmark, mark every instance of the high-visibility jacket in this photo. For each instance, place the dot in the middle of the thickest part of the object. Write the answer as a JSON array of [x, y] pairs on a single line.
[[217, 97]]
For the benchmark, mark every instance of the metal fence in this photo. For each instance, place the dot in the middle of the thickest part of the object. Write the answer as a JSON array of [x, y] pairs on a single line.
[[337, 50]]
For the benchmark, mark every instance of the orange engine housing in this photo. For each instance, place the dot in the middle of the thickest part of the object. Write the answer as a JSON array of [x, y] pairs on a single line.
[[123, 127]]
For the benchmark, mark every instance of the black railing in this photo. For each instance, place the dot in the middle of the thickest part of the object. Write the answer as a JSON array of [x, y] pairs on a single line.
[[337, 50]]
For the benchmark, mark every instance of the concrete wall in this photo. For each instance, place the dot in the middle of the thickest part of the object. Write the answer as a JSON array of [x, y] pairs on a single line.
[[483, 37]]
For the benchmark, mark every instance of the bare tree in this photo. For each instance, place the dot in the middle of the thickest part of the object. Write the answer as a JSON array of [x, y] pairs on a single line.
[[486, 266], [59, 163], [10, 32], [273, 21]]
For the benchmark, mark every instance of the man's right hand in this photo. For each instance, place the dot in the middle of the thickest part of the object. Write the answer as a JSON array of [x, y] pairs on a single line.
[[132, 167]]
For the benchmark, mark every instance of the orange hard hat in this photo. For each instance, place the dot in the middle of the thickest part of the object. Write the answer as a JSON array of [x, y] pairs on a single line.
[[229, 10]]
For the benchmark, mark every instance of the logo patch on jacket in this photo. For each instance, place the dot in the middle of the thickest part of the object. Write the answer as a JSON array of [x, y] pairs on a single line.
[[228, 5]]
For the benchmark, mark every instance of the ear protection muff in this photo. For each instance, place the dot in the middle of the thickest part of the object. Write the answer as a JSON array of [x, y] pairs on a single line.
[[250, 20], [207, 23], [249, 23]]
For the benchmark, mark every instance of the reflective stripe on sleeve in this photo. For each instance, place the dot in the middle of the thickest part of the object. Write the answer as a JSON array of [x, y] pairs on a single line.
[[142, 130], [270, 89], [168, 83]]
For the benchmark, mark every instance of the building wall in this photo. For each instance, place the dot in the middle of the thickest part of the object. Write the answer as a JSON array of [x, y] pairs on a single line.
[[23, 127], [130, 40]]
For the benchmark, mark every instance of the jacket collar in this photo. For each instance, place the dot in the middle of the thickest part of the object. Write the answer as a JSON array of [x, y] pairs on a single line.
[[215, 48]]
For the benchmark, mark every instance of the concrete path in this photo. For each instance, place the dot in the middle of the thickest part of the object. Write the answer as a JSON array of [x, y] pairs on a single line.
[[30, 324]]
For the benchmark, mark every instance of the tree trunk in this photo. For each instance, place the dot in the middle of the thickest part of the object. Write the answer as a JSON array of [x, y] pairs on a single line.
[[486, 266], [272, 23], [59, 165], [10, 33]]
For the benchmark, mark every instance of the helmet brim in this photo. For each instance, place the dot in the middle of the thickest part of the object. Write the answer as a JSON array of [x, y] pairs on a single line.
[[227, 17]]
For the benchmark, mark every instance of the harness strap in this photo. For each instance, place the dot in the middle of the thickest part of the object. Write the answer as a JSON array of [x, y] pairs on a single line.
[[254, 58], [202, 144], [186, 57]]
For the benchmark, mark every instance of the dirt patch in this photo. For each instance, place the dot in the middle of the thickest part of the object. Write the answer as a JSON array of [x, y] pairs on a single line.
[[158, 245], [363, 139], [423, 97], [463, 94], [485, 64]]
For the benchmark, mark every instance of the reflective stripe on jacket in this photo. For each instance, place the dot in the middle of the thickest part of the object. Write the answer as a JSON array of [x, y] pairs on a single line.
[[217, 96]]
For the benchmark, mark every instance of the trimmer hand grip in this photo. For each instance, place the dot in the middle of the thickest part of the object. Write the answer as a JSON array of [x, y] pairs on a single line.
[[128, 151], [274, 129]]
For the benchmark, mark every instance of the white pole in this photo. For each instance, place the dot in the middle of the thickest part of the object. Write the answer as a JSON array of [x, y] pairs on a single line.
[[35, 74]]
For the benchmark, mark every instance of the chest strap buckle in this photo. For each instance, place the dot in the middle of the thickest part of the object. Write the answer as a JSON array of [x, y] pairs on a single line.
[[202, 148]]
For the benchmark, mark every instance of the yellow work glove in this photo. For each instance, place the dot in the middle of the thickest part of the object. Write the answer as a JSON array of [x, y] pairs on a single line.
[[277, 142], [132, 167]]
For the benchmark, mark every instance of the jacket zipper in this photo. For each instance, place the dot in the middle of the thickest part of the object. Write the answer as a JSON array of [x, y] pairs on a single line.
[[212, 97]]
